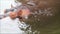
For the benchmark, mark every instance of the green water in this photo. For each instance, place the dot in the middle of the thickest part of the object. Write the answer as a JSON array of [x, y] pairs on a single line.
[[53, 28]]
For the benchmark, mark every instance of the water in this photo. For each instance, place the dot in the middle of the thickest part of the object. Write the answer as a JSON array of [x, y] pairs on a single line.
[[27, 28]]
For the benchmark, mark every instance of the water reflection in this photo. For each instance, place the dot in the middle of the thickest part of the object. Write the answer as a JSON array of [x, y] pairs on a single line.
[[27, 28]]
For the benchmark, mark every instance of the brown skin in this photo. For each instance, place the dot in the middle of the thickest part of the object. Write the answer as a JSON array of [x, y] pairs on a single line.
[[13, 15]]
